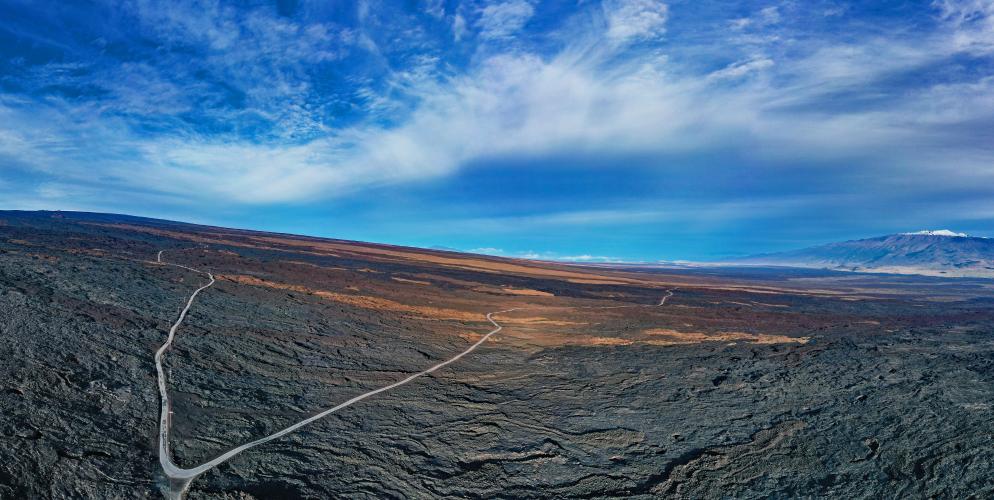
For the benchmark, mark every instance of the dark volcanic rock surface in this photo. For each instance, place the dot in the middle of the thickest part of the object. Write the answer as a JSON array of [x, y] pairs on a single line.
[[890, 395]]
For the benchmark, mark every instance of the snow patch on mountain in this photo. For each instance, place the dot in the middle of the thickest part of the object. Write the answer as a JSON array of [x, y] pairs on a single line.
[[939, 232]]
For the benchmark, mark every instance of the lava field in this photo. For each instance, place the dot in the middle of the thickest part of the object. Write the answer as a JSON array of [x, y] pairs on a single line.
[[746, 382]]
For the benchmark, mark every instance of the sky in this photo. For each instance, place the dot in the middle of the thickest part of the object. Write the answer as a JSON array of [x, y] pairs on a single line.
[[584, 130]]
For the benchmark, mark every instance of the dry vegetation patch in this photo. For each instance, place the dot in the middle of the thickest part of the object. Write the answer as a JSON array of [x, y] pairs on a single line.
[[513, 291], [665, 336], [363, 301]]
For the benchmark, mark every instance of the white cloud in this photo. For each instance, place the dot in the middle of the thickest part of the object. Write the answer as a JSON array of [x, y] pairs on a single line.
[[502, 20], [459, 29], [971, 23], [765, 17], [435, 8], [589, 258], [487, 251], [635, 19], [741, 68], [770, 15], [654, 213], [963, 12], [602, 101], [525, 105], [546, 255], [740, 23], [262, 59]]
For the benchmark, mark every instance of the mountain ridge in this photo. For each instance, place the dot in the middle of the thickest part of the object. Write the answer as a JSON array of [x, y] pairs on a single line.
[[930, 252]]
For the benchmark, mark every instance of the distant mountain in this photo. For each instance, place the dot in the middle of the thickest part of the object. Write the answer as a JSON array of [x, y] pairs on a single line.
[[937, 253]]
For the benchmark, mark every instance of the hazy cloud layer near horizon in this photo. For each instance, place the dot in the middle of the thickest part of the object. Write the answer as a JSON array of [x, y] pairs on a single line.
[[631, 128]]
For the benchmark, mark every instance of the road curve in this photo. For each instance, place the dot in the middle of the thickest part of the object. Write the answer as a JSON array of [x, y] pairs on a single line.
[[180, 478]]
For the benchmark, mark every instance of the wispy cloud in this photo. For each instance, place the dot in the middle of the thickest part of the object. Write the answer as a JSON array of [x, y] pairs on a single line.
[[763, 18], [546, 255], [459, 29], [741, 68], [972, 23], [634, 19], [487, 251], [504, 19], [590, 258]]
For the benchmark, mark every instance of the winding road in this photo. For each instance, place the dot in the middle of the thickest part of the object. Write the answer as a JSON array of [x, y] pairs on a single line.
[[179, 479]]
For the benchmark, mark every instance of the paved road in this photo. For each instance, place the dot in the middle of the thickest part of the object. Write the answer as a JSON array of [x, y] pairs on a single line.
[[180, 478]]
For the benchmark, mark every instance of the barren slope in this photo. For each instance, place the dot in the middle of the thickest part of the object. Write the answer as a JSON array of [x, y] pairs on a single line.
[[744, 385]]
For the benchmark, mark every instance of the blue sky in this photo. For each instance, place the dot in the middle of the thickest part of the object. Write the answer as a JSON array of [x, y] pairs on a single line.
[[622, 129]]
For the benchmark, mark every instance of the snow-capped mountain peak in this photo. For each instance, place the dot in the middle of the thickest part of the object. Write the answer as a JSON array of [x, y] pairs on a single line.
[[939, 232], [937, 252]]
